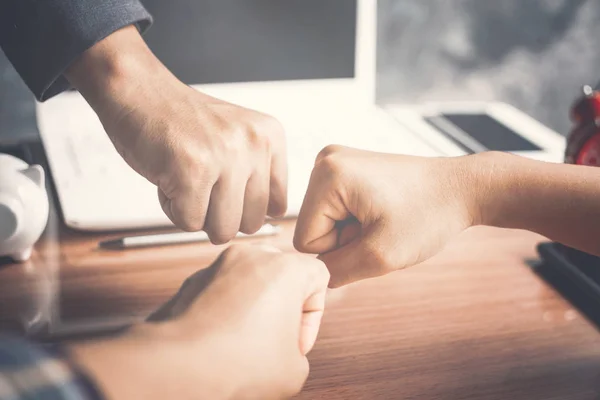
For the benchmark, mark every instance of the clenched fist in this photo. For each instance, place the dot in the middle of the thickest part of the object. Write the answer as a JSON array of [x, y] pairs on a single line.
[[238, 330], [218, 167], [367, 214]]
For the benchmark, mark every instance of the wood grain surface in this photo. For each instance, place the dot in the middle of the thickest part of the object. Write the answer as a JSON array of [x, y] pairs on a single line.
[[474, 322]]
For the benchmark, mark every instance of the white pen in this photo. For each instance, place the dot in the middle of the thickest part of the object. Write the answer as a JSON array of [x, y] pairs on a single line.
[[177, 238]]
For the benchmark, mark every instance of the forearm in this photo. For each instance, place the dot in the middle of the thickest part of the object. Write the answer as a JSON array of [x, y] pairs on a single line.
[[558, 201], [151, 362], [115, 71]]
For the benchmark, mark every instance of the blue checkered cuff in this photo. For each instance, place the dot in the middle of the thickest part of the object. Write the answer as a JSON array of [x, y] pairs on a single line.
[[31, 371]]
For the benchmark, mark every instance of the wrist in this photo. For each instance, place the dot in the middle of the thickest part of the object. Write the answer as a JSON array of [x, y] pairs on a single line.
[[462, 182], [497, 184], [110, 73]]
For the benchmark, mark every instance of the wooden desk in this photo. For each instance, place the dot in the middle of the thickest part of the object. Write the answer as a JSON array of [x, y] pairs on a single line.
[[475, 322]]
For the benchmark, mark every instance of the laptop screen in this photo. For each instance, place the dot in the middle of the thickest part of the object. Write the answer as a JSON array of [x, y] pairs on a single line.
[[219, 41]]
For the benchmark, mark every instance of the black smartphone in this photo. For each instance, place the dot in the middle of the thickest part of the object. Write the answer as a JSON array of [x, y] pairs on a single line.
[[574, 274]]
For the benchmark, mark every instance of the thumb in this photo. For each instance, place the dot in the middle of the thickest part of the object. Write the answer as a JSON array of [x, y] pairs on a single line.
[[370, 254], [307, 282], [318, 223], [312, 314]]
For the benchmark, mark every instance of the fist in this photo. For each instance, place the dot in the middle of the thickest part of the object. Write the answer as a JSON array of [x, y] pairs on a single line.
[[367, 214], [218, 167], [256, 313]]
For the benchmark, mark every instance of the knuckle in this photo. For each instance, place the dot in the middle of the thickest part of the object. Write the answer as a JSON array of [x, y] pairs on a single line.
[[272, 133], [193, 156], [237, 143], [257, 139], [332, 165], [271, 125], [299, 242], [195, 167], [231, 140], [259, 144], [329, 150]]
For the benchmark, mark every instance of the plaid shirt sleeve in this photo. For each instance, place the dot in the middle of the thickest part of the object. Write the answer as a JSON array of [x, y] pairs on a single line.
[[29, 371]]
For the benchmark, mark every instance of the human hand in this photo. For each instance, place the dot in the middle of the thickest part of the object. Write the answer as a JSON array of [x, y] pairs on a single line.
[[367, 214], [218, 167], [239, 329]]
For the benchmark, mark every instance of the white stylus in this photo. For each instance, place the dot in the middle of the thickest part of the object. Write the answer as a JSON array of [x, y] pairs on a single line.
[[177, 238]]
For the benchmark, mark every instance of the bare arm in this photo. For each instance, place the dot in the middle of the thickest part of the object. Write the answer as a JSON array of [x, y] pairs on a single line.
[[559, 201], [218, 167], [367, 214]]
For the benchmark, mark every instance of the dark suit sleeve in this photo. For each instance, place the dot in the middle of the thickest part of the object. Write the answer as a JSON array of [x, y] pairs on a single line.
[[42, 37]]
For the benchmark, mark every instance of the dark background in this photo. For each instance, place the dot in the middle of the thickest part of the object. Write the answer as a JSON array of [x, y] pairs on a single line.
[[208, 41], [534, 54]]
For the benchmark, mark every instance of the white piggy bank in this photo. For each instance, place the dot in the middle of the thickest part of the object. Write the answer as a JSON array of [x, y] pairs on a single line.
[[23, 207]]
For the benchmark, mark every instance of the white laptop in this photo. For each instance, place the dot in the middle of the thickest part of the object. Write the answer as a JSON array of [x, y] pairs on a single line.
[[309, 63]]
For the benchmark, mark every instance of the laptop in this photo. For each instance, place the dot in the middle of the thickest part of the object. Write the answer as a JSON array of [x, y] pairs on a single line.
[[309, 63]]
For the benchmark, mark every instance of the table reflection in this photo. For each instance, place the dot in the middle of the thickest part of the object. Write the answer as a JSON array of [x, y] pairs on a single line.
[[70, 286]]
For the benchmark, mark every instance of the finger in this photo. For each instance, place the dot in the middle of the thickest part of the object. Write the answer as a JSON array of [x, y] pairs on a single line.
[[349, 264], [225, 209], [348, 230], [278, 185], [187, 210], [368, 255], [256, 199], [321, 210], [332, 149], [310, 279], [311, 321]]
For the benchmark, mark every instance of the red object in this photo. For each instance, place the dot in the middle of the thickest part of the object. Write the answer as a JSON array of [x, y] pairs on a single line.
[[590, 152], [583, 142]]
